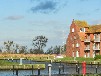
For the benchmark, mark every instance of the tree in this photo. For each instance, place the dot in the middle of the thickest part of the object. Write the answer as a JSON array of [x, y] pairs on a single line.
[[56, 50], [23, 49], [16, 48], [39, 42], [8, 45], [50, 50]]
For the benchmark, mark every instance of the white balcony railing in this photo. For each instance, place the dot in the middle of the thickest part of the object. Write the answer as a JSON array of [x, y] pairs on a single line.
[[97, 40], [87, 48], [96, 48], [87, 40]]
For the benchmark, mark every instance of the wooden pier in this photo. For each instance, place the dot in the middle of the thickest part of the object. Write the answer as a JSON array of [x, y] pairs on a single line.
[[22, 67]]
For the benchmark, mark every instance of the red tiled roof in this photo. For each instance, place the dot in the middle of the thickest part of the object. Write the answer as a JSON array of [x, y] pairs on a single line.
[[81, 23], [91, 28], [94, 28]]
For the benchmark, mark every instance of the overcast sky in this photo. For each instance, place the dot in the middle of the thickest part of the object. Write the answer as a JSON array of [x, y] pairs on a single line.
[[22, 20]]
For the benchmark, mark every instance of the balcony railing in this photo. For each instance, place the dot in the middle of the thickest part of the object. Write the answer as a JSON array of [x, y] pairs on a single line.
[[96, 48], [87, 40], [97, 40], [87, 48]]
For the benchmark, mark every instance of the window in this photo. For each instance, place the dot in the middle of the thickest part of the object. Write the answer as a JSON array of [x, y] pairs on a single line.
[[96, 36], [77, 44], [74, 37], [82, 29], [77, 53], [72, 29], [73, 45], [73, 54]]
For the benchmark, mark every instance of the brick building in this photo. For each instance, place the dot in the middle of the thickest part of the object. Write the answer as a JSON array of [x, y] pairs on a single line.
[[83, 40]]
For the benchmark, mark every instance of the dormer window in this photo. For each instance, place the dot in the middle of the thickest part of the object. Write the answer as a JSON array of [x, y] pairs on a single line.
[[82, 29], [72, 29]]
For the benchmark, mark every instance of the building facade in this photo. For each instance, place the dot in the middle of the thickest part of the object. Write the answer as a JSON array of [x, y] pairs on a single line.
[[83, 40]]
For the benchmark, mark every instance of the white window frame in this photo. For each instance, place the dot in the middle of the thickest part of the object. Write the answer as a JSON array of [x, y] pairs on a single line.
[[72, 29], [77, 53], [82, 29], [77, 44]]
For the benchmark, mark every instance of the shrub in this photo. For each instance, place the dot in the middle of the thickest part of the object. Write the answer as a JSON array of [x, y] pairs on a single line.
[[97, 57]]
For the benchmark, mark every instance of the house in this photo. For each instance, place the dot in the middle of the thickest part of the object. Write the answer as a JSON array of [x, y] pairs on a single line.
[[83, 40]]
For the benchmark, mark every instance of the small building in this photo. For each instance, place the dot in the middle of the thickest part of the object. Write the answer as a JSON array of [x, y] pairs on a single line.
[[83, 40]]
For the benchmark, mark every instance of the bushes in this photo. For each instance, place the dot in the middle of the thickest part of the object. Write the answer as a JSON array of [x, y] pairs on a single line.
[[97, 57]]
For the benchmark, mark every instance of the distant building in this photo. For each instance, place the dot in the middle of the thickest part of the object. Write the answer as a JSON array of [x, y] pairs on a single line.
[[83, 40]]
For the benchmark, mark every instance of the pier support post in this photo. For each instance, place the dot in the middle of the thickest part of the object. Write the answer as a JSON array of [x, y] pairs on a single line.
[[16, 72], [59, 69], [76, 68], [96, 68], [13, 69], [63, 67], [38, 71], [32, 69]]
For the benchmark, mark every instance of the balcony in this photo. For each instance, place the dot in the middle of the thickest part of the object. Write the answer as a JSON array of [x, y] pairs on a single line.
[[96, 48], [97, 40], [87, 48], [87, 40]]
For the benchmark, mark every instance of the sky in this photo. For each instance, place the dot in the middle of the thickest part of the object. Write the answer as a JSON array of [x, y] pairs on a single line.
[[22, 20]]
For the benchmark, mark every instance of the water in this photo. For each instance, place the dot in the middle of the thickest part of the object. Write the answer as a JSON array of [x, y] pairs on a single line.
[[68, 69]]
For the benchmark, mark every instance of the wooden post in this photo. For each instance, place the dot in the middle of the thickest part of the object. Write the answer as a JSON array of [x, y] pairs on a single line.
[[32, 69], [59, 69], [96, 68], [13, 69], [78, 70], [63, 67], [76, 67], [16, 72], [38, 71]]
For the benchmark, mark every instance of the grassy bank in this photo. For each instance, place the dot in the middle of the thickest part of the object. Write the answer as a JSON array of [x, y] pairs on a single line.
[[77, 59], [48, 57]]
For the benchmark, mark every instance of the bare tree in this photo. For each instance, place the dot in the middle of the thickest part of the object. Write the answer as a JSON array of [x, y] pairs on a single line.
[[39, 42], [8, 45]]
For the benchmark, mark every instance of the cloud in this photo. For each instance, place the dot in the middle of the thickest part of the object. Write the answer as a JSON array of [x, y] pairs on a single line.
[[14, 17], [48, 6], [97, 9]]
